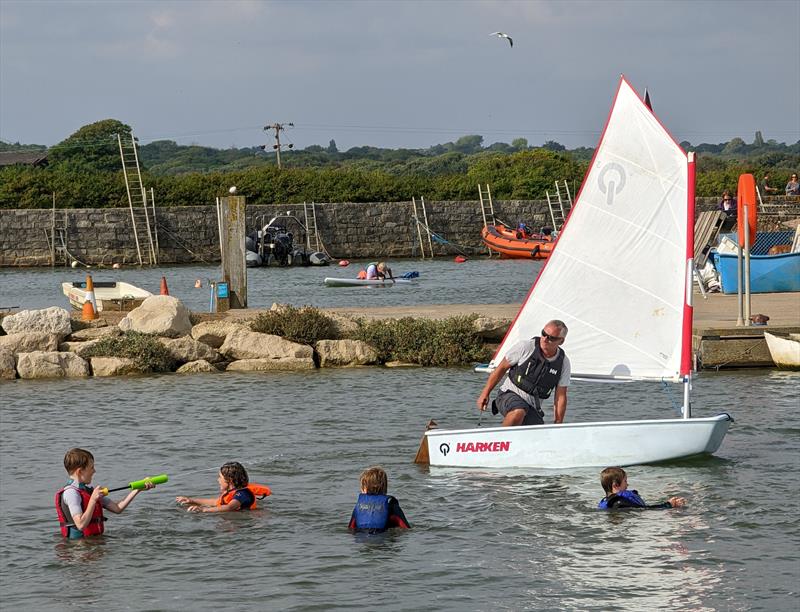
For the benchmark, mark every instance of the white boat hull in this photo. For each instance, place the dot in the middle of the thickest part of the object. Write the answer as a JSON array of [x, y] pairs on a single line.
[[359, 282], [602, 444], [108, 295], [785, 352]]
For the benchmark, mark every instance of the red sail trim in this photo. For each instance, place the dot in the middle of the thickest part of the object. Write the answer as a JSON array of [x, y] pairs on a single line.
[[688, 309]]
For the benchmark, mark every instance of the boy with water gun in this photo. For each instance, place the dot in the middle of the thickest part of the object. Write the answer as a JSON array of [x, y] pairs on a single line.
[[80, 506]]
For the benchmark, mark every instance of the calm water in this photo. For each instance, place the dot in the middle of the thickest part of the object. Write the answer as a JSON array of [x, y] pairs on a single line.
[[481, 539], [441, 281]]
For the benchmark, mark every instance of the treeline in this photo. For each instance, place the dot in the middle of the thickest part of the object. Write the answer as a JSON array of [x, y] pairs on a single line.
[[84, 171]]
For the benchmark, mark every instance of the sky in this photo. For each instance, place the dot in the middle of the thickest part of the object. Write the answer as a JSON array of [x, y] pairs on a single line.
[[395, 74]]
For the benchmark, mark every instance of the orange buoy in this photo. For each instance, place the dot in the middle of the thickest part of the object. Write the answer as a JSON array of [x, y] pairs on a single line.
[[164, 289], [460, 259], [89, 311], [344, 263]]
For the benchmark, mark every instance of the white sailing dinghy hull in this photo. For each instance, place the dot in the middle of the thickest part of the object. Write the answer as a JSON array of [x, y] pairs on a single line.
[[573, 445], [785, 352]]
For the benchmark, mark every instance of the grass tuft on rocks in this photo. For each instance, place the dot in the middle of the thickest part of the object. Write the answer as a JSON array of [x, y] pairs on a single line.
[[448, 342], [305, 325], [145, 349]]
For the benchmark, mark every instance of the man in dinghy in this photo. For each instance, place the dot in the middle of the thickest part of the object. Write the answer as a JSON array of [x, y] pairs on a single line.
[[530, 371]]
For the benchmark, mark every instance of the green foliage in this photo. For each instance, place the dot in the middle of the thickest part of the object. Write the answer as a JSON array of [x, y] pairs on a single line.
[[145, 349], [93, 147], [428, 342], [305, 325]]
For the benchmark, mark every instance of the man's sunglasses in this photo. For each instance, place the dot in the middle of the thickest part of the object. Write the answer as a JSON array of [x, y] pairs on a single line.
[[547, 336]]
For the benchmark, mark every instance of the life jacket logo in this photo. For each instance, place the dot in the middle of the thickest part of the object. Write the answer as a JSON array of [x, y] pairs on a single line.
[[611, 181], [482, 447], [444, 448], [552, 371]]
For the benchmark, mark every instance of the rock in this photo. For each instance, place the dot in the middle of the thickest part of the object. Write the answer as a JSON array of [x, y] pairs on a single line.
[[29, 342], [201, 365], [243, 344], [79, 348], [114, 366], [345, 353], [269, 365], [52, 320], [186, 349], [8, 366], [344, 325], [91, 333], [490, 329], [401, 364], [162, 315], [79, 324], [52, 364], [213, 333]]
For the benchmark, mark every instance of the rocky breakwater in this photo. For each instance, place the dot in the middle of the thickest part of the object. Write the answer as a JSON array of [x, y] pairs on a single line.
[[158, 336]]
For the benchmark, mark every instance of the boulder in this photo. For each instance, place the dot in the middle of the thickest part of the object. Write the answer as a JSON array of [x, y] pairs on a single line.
[[243, 344], [334, 353], [201, 365], [79, 348], [51, 364], [114, 366], [401, 364], [92, 333], [162, 315], [213, 333], [271, 365], [344, 325], [186, 349], [52, 320], [28, 342], [491, 329], [8, 366]]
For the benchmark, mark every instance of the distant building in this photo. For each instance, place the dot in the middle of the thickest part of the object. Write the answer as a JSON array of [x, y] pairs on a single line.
[[36, 159]]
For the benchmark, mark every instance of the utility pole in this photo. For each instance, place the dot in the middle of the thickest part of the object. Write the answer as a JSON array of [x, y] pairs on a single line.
[[278, 127]]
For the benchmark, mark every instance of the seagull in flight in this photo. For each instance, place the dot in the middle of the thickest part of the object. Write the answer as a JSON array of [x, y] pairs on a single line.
[[503, 35]]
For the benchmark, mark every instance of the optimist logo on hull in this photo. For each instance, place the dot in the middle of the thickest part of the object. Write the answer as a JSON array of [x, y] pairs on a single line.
[[482, 447]]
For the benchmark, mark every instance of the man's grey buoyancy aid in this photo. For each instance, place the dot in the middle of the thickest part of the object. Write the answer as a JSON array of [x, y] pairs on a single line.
[[536, 375]]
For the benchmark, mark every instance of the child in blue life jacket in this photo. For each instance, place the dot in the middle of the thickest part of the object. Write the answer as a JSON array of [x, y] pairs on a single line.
[[615, 484], [375, 511], [80, 506], [236, 492]]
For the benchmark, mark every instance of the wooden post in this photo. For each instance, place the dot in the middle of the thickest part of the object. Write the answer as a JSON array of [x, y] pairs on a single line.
[[232, 250]]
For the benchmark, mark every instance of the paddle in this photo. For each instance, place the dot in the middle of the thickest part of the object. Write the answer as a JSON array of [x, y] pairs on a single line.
[[139, 484]]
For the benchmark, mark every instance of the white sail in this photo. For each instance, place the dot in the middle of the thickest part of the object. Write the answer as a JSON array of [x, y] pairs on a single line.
[[617, 275]]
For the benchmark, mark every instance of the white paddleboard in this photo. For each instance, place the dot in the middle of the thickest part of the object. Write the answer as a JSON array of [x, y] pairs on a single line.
[[358, 282]]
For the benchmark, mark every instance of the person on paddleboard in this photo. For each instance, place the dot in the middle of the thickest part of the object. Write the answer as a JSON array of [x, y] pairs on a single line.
[[379, 271], [80, 506], [615, 484], [375, 511], [236, 492], [530, 371]]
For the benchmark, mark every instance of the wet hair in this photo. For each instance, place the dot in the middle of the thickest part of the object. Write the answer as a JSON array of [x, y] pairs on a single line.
[[611, 476], [374, 481], [562, 327], [235, 474], [76, 459], [381, 266]]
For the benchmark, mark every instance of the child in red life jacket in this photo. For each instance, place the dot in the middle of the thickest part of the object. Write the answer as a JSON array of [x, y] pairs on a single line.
[[78, 505], [376, 511], [236, 492], [618, 496]]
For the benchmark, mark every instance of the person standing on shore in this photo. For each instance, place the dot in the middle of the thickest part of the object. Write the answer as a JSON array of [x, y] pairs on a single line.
[[530, 371], [766, 188], [793, 187]]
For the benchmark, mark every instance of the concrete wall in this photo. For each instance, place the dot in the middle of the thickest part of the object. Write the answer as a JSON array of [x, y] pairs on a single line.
[[189, 234]]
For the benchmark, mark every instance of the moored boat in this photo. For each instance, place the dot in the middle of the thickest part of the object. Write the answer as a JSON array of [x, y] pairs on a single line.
[[785, 352], [514, 244], [109, 295]]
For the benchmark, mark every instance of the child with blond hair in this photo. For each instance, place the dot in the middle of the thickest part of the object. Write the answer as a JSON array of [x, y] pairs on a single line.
[[375, 511]]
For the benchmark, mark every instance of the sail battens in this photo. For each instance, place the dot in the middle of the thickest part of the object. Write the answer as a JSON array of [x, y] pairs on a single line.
[[616, 276]]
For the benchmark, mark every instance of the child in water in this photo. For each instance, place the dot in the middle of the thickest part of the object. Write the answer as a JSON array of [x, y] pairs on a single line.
[[236, 492], [80, 506], [376, 511], [615, 484]]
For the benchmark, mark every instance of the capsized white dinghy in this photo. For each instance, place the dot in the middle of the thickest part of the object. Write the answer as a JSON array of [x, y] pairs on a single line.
[[620, 277]]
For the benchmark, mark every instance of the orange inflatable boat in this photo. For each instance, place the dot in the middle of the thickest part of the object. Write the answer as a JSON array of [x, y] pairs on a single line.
[[514, 244]]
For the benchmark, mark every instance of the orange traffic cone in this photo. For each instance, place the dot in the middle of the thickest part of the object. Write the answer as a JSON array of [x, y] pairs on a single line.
[[164, 290], [89, 312]]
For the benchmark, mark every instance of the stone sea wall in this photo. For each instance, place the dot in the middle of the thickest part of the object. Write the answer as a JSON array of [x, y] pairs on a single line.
[[188, 234]]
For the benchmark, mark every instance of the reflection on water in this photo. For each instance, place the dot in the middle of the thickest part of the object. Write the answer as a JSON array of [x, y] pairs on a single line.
[[518, 539]]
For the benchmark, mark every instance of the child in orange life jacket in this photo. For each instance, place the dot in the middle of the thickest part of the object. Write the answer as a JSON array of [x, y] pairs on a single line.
[[376, 511], [236, 492], [80, 506]]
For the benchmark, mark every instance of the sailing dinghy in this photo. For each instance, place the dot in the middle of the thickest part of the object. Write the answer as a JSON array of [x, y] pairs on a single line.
[[620, 277]]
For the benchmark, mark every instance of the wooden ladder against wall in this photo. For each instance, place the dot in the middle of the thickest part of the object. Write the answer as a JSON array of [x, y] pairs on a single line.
[[312, 235], [559, 204], [144, 226], [487, 206], [422, 223]]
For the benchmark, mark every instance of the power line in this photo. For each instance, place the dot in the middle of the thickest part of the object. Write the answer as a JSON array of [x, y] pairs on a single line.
[[278, 127]]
